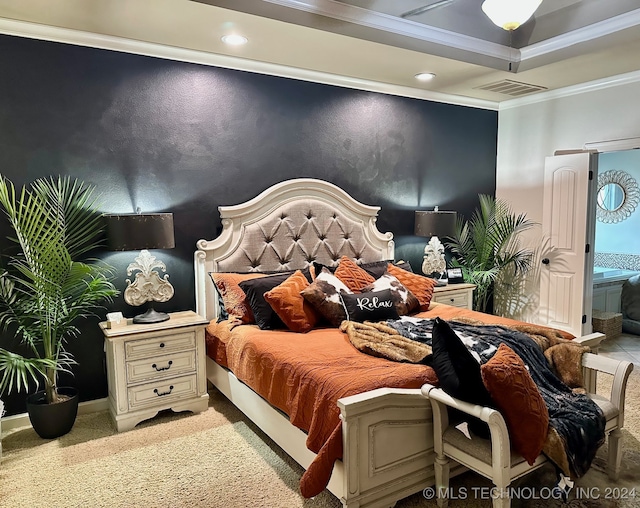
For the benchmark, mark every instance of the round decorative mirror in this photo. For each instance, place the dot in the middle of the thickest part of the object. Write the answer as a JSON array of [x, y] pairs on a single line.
[[617, 197], [611, 196]]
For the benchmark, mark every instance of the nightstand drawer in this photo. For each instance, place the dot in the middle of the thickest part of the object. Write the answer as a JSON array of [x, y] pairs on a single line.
[[161, 345], [162, 392], [156, 366], [458, 299], [159, 367]]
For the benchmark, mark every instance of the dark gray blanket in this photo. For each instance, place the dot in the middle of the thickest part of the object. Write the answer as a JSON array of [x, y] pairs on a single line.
[[576, 418]]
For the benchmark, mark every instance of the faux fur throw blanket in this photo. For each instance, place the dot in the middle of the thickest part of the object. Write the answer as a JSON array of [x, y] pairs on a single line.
[[386, 340], [383, 340], [576, 424]]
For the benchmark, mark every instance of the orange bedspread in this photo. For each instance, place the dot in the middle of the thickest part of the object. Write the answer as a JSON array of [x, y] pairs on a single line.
[[304, 375]]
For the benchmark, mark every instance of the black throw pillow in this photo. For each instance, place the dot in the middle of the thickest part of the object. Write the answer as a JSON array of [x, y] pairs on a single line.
[[457, 370], [317, 267], [459, 374], [265, 316], [377, 268], [222, 311], [374, 268], [372, 306]]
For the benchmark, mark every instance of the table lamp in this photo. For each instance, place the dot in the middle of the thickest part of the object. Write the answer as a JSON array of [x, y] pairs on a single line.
[[143, 231], [434, 224]]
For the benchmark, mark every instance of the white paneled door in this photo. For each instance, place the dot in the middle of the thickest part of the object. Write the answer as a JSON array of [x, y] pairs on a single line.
[[567, 256]]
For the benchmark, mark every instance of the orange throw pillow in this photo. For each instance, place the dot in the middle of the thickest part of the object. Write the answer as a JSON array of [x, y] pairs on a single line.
[[421, 287], [352, 276], [234, 298], [286, 301], [517, 397]]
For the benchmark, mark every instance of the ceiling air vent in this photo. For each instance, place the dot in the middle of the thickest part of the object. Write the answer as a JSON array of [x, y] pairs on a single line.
[[512, 88]]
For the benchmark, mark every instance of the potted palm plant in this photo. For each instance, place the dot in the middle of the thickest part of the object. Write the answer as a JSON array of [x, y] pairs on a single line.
[[487, 246], [46, 286]]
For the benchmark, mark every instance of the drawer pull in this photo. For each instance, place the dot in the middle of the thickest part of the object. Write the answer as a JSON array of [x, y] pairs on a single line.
[[155, 390], [162, 344], [452, 299], [160, 369]]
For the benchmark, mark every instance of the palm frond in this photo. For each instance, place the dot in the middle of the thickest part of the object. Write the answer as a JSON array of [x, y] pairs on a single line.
[[18, 370], [73, 205], [487, 244], [46, 287]]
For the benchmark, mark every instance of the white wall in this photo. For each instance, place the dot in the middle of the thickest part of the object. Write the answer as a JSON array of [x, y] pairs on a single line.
[[530, 130]]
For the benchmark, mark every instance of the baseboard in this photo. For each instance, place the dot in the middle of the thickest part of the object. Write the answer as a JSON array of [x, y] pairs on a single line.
[[22, 420]]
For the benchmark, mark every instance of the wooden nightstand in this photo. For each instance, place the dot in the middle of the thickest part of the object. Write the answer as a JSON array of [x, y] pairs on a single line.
[[458, 295], [151, 367]]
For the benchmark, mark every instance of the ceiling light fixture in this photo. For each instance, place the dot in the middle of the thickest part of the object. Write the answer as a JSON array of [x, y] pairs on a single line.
[[425, 76], [510, 14], [234, 40]]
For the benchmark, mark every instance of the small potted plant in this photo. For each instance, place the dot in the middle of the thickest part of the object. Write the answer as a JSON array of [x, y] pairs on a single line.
[[46, 286]]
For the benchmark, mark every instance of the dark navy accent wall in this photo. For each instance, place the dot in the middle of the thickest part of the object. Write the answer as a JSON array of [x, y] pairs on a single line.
[[161, 135]]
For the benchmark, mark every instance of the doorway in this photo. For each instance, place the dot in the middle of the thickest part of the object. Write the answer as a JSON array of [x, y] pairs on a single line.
[[617, 244], [567, 279]]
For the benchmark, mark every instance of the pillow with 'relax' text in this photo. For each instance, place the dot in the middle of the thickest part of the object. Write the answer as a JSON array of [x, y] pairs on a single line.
[[371, 306]]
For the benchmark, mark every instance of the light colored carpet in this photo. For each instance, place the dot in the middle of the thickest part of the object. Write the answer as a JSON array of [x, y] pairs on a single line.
[[219, 459]]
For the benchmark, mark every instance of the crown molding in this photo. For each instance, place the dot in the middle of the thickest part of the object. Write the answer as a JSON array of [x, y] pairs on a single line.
[[581, 35], [404, 27], [614, 145], [121, 44], [590, 86]]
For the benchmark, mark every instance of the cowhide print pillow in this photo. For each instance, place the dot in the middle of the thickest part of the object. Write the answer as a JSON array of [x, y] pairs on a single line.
[[403, 299], [324, 294]]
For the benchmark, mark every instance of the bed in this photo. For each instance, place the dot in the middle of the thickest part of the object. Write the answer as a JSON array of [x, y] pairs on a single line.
[[384, 450]]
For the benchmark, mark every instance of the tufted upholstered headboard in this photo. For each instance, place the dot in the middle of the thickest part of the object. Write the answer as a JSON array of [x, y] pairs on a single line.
[[286, 227]]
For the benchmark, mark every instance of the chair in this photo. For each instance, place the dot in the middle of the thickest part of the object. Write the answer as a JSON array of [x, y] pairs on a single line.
[[493, 457]]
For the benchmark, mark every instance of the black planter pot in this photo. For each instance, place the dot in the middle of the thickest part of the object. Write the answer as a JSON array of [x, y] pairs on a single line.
[[53, 420]]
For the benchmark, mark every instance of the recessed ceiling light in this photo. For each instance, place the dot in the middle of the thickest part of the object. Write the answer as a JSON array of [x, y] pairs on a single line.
[[234, 40], [425, 76]]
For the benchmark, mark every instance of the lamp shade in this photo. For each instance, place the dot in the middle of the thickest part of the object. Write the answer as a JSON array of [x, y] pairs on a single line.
[[136, 231], [510, 14], [435, 223]]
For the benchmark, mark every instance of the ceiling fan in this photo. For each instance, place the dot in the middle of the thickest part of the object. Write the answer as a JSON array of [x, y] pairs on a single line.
[[507, 14]]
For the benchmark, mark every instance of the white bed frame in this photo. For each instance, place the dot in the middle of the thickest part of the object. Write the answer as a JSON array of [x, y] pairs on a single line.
[[387, 434]]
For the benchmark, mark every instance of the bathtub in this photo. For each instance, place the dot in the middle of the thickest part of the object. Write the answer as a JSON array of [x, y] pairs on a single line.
[[607, 287], [601, 274]]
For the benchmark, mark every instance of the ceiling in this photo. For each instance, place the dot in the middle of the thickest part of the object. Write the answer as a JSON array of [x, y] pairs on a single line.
[[565, 43]]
